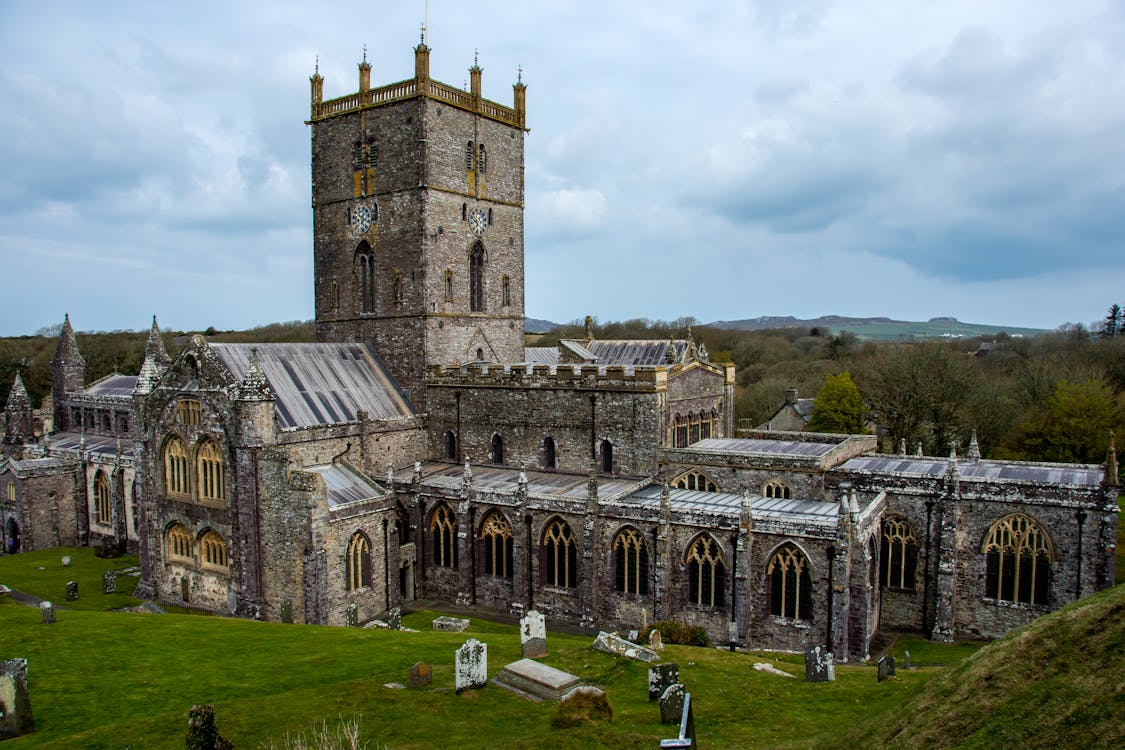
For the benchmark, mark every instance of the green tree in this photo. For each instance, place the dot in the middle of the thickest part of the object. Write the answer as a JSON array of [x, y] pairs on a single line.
[[1075, 425], [839, 407]]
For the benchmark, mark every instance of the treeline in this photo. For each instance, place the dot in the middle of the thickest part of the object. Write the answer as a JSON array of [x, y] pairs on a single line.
[[1053, 397]]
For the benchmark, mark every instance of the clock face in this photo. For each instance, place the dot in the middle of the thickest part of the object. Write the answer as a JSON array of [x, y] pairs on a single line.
[[360, 220], [478, 219]]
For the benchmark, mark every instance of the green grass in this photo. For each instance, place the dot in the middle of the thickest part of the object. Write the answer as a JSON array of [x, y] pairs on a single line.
[[1119, 557], [42, 574]]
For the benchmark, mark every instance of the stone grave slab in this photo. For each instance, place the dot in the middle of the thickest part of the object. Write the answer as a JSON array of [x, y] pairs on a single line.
[[660, 676], [451, 624], [533, 635], [470, 666], [612, 643], [536, 681]]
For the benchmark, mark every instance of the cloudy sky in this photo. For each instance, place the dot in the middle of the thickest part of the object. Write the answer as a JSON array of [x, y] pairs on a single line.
[[716, 159]]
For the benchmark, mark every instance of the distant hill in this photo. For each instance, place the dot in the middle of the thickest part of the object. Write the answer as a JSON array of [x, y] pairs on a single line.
[[531, 325], [1055, 683], [878, 329]]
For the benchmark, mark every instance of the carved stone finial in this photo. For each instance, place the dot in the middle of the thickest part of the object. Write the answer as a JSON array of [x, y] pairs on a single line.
[[918, 450], [952, 450], [973, 454], [390, 475]]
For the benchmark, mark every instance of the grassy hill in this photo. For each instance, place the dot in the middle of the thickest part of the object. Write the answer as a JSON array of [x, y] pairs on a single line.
[[879, 329]]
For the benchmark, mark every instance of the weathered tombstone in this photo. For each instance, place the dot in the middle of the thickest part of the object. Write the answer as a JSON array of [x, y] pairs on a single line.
[[533, 635], [109, 582], [4, 590], [351, 616], [660, 677], [906, 660], [47, 610], [72, 591], [886, 667], [672, 704], [470, 666], [202, 733], [633, 635], [451, 624], [286, 611], [612, 643], [15, 703], [66, 561], [685, 740], [654, 641], [394, 618], [420, 675], [819, 665]]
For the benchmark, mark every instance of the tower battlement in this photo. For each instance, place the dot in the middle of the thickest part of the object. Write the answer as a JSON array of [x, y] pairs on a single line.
[[594, 377]]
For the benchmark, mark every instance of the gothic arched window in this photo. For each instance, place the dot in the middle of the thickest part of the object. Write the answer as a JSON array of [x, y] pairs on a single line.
[[476, 278], [496, 449], [102, 504], [706, 573], [176, 467], [209, 472], [790, 583], [178, 546], [560, 555], [496, 535], [630, 558], [450, 445], [695, 480], [357, 564], [777, 488], [1018, 560], [899, 555], [550, 453], [443, 529], [215, 554]]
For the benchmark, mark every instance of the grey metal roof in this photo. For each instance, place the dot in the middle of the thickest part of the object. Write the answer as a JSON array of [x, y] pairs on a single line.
[[730, 504], [504, 480], [756, 446], [541, 355], [578, 350], [1014, 471], [636, 351], [317, 384], [345, 486], [71, 442], [120, 386]]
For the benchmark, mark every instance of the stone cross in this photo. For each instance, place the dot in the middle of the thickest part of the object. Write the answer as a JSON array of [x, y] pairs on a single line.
[[15, 703], [109, 582], [819, 665], [672, 704], [351, 616], [661, 677], [470, 665], [47, 610], [72, 591], [533, 635]]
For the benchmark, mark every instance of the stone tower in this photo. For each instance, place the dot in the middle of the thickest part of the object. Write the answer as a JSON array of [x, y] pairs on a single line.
[[417, 192], [68, 370]]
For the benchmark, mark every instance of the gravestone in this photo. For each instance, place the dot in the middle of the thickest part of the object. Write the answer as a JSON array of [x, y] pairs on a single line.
[[351, 616], [286, 611], [420, 675], [886, 667], [4, 590], [633, 635], [536, 681], [451, 624], [654, 641], [672, 704], [47, 610], [72, 591], [660, 676], [109, 582], [202, 733], [612, 643], [470, 666], [394, 618], [15, 702], [906, 660], [66, 561], [533, 635], [819, 665]]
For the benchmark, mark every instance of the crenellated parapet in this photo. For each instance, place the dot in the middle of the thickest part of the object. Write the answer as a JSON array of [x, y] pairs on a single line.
[[571, 377]]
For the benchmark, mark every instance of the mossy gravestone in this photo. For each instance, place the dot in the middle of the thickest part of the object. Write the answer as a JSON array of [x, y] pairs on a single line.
[[47, 611], [660, 677], [533, 635], [672, 704], [15, 703], [351, 616], [202, 733], [470, 665], [72, 591], [109, 582]]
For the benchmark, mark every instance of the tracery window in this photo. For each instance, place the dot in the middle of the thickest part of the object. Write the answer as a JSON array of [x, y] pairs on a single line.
[[178, 546], [550, 453], [358, 562], [496, 533], [898, 562], [476, 278], [1019, 556], [209, 468], [560, 555], [188, 411], [630, 558], [443, 529], [706, 573], [214, 551], [102, 505], [496, 449], [790, 583], [695, 480], [777, 488], [506, 287], [176, 466]]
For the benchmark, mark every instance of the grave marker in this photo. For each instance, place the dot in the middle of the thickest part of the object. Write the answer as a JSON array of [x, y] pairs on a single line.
[[15, 703], [819, 665], [420, 675], [533, 635], [47, 610], [672, 704], [660, 677], [470, 666], [109, 582], [886, 667], [351, 616], [72, 591]]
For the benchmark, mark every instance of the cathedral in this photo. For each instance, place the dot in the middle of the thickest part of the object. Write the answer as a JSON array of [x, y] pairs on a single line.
[[420, 450]]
